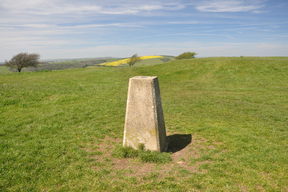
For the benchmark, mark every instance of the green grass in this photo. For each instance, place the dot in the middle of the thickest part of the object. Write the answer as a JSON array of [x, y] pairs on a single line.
[[144, 156], [238, 105], [154, 157]]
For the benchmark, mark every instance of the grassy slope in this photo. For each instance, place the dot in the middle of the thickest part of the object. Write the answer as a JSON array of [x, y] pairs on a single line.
[[47, 118]]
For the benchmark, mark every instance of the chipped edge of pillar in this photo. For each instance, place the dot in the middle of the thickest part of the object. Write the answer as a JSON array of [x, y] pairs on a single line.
[[126, 116], [158, 110]]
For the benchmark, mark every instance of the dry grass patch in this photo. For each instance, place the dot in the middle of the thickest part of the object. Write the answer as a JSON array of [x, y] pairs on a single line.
[[184, 159]]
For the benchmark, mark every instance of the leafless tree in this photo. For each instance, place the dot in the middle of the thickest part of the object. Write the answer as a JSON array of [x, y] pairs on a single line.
[[22, 60]]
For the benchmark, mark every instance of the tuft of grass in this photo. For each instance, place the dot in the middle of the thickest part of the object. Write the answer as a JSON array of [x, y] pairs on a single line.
[[141, 147], [143, 155], [154, 157], [125, 152]]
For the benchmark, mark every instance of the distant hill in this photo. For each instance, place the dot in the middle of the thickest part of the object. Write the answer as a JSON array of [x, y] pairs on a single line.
[[66, 63], [60, 64], [79, 59], [144, 60]]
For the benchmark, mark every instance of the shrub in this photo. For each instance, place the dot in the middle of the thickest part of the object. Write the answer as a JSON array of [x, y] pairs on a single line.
[[186, 55]]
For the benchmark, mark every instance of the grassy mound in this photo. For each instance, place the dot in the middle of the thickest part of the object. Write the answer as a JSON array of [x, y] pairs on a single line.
[[55, 128]]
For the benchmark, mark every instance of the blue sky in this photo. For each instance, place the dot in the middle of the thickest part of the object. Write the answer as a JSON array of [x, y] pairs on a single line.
[[120, 28]]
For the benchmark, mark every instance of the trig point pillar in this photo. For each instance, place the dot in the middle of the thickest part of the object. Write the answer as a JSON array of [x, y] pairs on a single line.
[[144, 122]]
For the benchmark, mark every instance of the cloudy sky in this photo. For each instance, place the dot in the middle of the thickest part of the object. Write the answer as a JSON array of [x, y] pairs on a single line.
[[120, 28]]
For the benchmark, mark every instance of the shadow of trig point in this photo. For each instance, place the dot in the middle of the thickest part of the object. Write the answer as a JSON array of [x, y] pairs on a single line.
[[144, 121]]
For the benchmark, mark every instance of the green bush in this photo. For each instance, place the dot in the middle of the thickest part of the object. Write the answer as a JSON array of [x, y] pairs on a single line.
[[186, 55]]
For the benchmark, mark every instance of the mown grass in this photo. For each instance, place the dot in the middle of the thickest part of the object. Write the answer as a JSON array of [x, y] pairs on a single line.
[[47, 119]]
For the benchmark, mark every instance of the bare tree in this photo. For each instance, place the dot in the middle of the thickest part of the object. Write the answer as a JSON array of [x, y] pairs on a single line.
[[132, 60], [22, 60]]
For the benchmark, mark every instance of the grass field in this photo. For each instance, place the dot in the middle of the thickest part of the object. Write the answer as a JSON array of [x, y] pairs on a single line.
[[60, 130]]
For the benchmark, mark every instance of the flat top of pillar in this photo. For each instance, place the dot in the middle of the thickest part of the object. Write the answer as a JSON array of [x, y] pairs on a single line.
[[144, 77]]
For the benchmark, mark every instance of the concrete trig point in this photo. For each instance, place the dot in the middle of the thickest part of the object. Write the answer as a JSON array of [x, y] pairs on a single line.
[[144, 122]]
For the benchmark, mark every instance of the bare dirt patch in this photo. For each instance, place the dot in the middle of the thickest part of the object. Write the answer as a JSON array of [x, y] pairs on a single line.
[[182, 159]]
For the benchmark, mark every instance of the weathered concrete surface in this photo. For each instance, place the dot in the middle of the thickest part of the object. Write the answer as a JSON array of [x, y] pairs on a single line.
[[144, 122]]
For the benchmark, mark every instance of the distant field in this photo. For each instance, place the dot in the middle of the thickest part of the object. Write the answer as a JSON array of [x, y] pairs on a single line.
[[143, 60], [150, 62], [63, 64], [68, 64], [83, 63], [60, 129], [4, 70]]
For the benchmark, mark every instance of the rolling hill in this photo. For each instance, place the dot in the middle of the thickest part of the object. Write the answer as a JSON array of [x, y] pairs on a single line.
[[60, 130]]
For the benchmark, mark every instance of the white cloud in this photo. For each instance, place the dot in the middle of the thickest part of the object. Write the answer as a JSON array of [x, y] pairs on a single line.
[[40, 13], [61, 7], [230, 6], [58, 28]]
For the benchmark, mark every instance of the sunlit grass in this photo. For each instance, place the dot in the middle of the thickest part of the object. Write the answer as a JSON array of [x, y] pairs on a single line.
[[53, 124]]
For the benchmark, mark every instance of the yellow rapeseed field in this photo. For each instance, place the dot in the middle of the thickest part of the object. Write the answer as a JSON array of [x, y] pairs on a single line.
[[124, 61]]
